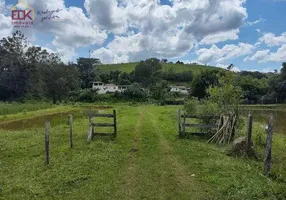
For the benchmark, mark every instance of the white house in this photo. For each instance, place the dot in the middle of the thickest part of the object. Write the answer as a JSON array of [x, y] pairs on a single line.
[[180, 89], [108, 88]]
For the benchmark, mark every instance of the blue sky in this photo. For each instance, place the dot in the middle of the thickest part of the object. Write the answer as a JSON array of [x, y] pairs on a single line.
[[251, 34]]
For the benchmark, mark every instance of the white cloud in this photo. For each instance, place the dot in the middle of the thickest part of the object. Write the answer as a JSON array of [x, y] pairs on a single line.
[[220, 37], [271, 40], [259, 55], [217, 55], [268, 56], [166, 30], [255, 22], [107, 14], [130, 44], [5, 22], [2, 6], [108, 57], [72, 31], [141, 28]]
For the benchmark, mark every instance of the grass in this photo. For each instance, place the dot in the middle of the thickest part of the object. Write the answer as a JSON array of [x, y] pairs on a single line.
[[24, 114], [129, 67], [146, 161], [265, 107], [12, 108]]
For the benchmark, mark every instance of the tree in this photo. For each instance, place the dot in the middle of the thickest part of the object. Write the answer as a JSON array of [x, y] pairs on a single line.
[[148, 72], [14, 70], [204, 81], [283, 71], [59, 81], [135, 92], [230, 67], [179, 62], [164, 60], [86, 69], [159, 91]]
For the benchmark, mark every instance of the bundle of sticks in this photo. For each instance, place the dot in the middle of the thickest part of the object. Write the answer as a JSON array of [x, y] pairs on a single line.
[[225, 131]]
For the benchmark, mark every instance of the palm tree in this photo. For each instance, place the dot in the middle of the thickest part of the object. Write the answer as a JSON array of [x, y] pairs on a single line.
[[230, 67]]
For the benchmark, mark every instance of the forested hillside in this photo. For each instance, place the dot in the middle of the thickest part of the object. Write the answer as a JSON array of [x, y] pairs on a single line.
[[31, 73]]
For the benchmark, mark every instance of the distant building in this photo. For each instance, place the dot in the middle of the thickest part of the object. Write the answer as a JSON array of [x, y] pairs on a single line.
[[108, 88], [180, 89]]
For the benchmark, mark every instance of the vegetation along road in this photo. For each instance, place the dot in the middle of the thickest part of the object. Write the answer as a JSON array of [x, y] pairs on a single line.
[[146, 161]]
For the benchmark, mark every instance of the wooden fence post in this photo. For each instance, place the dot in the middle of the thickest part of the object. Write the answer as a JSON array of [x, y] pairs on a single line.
[[267, 159], [71, 130], [184, 126], [91, 130], [249, 133], [179, 123], [47, 142], [115, 125]]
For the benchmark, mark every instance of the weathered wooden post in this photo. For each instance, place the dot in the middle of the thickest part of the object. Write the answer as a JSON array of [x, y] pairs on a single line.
[[47, 142], [184, 126], [71, 130], [90, 131], [179, 123], [267, 159], [249, 133], [114, 121]]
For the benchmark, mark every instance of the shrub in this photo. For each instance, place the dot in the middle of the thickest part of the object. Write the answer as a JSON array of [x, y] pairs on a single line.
[[84, 95], [135, 92]]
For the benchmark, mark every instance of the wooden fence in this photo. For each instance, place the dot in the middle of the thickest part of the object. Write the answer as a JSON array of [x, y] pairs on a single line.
[[92, 130], [183, 125]]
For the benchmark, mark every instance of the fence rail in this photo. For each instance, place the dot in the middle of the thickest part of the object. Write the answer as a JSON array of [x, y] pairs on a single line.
[[92, 132], [182, 125]]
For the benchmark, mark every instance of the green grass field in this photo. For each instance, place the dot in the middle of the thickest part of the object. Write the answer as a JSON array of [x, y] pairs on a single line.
[[129, 67], [146, 161]]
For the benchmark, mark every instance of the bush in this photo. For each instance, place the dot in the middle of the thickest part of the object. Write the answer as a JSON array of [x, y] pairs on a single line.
[[84, 95], [134, 92], [202, 107]]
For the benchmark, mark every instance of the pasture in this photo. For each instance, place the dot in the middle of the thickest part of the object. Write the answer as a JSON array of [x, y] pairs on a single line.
[[145, 161], [177, 68]]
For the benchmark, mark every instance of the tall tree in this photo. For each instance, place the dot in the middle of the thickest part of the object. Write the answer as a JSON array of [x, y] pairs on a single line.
[[14, 72], [148, 72], [59, 81], [204, 81], [86, 67]]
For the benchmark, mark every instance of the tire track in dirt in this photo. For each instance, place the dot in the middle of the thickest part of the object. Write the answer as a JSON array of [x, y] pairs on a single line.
[[184, 182], [129, 175]]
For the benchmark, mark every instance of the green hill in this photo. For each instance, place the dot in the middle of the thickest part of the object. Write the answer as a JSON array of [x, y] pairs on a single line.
[[129, 67]]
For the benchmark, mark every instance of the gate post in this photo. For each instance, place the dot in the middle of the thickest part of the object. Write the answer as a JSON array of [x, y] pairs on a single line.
[[179, 123]]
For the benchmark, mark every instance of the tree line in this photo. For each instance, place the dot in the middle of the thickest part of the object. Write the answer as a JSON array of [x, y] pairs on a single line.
[[32, 73]]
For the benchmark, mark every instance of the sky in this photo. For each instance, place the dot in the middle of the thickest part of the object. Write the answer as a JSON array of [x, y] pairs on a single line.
[[251, 34]]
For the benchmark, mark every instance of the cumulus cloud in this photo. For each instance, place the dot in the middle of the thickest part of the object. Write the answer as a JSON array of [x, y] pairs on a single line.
[[107, 14], [217, 55], [166, 30], [5, 22], [271, 40], [268, 56], [72, 30], [2, 6], [108, 57], [141, 28], [220, 37]]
